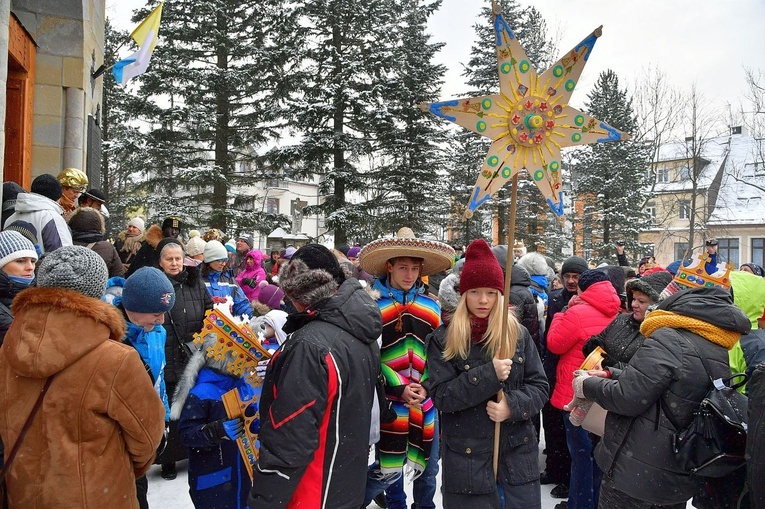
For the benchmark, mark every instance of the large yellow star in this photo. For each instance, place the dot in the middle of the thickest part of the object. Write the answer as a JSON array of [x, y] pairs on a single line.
[[530, 120]]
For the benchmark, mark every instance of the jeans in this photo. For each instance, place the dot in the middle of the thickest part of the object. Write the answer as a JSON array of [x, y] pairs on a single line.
[[377, 482], [584, 486], [424, 488]]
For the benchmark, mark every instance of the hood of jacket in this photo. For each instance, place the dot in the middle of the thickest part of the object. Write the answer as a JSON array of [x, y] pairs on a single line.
[[32, 202], [256, 255], [54, 327], [602, 297], [711, 305], [748, 294], [350, 308], [520, 276]]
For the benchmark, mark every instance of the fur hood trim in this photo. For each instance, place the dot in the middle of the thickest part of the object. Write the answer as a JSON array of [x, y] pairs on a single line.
[[154, 235], [73, 302], [187, 382]]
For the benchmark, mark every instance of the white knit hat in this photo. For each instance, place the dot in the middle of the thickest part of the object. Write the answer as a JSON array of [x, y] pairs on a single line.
[[195, 246], [214, 251], [137, 222], [13, 246]]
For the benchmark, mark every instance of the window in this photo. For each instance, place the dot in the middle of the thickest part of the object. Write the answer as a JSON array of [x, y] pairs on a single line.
[[662, 175], [684, 209], [650, 210], [680, 249], [758, 251], [245, 203], [272, 205], [727, 251], [684, 173], [756, 169]]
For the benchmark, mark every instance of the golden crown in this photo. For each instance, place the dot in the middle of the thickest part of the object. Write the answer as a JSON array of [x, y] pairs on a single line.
[[695, 275], [235, 337]]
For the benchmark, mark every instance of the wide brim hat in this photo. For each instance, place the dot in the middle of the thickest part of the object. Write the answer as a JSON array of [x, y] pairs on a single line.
[[436, 256]]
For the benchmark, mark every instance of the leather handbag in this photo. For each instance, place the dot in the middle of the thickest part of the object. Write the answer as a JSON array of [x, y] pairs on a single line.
[[17, 445]]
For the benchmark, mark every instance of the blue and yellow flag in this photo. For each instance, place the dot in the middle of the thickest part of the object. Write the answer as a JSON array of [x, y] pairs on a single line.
[[145, 35]]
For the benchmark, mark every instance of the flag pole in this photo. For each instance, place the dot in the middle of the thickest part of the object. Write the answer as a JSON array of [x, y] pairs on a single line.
[[506, 307], [102, 68]]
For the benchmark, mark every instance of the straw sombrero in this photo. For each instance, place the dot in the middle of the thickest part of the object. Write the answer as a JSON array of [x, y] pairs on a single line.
[[436, 256]]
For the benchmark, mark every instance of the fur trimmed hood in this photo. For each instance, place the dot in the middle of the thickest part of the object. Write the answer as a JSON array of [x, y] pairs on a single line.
[[54, 327], [536, 264], [305, 285], [187, 382]]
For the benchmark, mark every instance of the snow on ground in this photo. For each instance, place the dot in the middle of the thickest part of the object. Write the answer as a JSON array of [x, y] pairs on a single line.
[[175, 494]]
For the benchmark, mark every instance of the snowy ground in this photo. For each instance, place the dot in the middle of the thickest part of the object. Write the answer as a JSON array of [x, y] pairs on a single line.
[[175, 494]]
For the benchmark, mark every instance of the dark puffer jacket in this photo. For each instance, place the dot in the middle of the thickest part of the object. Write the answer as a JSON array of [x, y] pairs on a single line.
[[635, 453], [525, 303], [184, 320], [460, 389], [755, 437], [621, 339], [316, 405]]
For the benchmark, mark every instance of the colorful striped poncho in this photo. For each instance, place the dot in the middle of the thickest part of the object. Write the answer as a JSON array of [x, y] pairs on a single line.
[[407, 440]]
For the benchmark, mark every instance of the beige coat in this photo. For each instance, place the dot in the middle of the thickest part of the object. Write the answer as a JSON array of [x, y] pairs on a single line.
[[101, 420]]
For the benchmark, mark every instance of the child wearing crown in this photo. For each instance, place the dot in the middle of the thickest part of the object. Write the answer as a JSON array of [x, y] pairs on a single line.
[[218, 477]]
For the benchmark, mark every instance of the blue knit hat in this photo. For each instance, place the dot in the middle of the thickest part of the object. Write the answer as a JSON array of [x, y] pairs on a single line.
[[590, 277], [148, 290], [13, 246]]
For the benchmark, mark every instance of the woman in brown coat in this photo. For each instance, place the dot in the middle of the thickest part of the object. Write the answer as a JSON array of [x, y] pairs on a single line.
[[101, 414]]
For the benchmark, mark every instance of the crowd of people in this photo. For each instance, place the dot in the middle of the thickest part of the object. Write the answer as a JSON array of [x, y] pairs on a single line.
[[405, 350]]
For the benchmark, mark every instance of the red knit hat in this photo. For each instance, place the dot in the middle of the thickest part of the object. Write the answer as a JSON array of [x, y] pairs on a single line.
[[481, 269]]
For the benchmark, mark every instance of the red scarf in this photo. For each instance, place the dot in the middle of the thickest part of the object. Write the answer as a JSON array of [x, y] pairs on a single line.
[[478, 327]]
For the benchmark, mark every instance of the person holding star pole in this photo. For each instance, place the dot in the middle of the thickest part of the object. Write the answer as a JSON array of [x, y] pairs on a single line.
[[486, 377]]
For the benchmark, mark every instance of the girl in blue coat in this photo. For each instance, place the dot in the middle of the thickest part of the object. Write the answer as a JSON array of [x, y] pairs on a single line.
[[220, 282], [218, 477]]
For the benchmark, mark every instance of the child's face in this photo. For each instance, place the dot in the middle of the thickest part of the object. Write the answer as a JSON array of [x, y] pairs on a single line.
[[480, 301], [269, 331], [250, 262], [145, 320]]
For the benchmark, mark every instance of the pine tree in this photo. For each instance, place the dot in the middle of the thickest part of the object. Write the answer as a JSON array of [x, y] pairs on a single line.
[[613, 176], [212, 92], [481, 71], [410, 144], [347, 55]]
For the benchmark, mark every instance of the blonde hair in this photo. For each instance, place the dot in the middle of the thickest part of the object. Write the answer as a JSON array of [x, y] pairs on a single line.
[[458, 334]]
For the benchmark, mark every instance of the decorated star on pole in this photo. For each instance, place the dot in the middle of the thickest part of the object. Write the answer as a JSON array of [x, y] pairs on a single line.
[[530, 120]]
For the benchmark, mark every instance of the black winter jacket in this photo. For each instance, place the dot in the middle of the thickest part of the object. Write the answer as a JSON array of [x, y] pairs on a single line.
[[525, 303], [8, 290], [460, 389], [185, 319], [620, 339], [635, 452], [316, 405], [755, 437]]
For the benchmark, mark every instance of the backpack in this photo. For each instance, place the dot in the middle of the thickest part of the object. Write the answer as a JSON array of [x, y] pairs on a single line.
[[714, 443]]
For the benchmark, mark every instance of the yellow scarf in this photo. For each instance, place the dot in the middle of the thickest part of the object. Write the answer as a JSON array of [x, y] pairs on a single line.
[[717, 335]]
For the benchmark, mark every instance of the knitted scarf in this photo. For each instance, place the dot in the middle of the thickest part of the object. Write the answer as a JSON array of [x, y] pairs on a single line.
[[478, 327], [717, 335], [67, 204], [408, 317]]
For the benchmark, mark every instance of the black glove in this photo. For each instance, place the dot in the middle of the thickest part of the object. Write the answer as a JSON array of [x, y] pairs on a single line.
[[248, 281], [224, 429]]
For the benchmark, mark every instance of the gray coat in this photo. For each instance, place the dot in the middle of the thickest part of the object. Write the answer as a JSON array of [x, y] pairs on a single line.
[[635, 453]]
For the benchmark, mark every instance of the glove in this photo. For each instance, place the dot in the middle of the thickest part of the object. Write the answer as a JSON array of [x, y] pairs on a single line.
[[248, 281], [224, 429], [578, 383], [578, 408], [261, 369]]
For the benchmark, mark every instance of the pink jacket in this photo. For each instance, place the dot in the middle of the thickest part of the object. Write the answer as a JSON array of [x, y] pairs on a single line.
[[587, 315], [249, 279]]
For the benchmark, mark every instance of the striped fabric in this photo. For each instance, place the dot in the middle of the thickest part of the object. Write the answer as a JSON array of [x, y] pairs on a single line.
[[407, 440]]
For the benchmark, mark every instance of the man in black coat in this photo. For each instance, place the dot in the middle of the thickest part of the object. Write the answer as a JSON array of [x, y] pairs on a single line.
[[557, 459], [319, 390]]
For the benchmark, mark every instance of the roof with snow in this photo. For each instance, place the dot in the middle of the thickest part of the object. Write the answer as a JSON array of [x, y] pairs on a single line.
[[713, 152], [741, 199]]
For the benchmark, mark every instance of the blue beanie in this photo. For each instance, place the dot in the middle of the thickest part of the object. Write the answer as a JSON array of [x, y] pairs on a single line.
[[148, 290], [673, 267], [590, 277]]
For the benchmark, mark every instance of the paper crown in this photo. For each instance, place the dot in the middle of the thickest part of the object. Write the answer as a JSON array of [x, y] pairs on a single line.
[[700, 273], [236, 338]]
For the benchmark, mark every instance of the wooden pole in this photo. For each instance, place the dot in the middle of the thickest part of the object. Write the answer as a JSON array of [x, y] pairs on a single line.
[[506, 307]]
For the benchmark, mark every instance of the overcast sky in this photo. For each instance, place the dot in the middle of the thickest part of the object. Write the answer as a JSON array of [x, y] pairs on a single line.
[[707, 42]]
